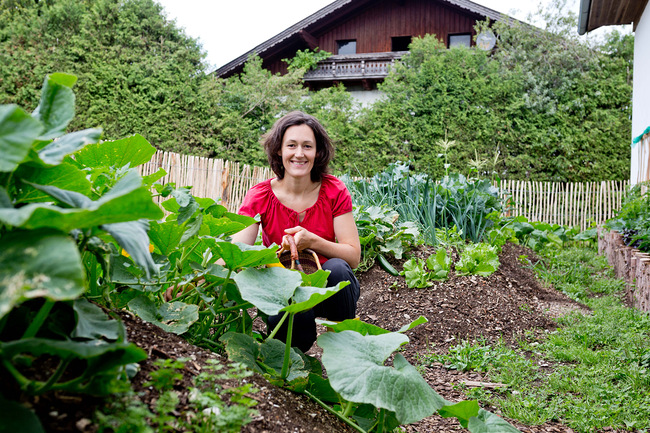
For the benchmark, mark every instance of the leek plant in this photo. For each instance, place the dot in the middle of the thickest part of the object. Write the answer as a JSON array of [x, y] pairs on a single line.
[[452, 201]]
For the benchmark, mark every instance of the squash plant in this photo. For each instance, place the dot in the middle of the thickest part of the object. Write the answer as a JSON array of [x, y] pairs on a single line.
[[360, 389], [53, 211]]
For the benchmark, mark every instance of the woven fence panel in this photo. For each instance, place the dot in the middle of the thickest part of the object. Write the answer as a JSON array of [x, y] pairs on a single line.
[[553, 202]]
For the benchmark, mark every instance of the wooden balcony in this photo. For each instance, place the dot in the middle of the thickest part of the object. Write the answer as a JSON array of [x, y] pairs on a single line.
[[368, 66]]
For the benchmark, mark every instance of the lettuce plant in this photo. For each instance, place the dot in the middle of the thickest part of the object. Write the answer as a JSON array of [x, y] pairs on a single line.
[[478, 259], [419, 273]]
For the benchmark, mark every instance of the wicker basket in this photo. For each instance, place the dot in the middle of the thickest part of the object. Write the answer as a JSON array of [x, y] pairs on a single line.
[[307, 259]]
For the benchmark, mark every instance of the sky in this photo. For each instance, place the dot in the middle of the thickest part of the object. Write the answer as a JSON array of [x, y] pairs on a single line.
[[229, 28]]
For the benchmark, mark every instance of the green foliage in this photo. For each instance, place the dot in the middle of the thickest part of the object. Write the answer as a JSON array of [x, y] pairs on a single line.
[[478, 259], [454, 201], [418, 273], [478, 356], [591, 373], [380, 232], [47, 223], [210, 406], [542, 106], [632, 221], [306, 60], [577, 272], [137, 71]]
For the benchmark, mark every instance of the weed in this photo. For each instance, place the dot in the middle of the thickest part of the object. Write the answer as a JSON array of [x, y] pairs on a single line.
[[212, 407]]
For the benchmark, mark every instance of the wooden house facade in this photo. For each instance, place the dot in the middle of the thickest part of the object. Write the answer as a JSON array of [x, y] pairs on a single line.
[[365, 37]]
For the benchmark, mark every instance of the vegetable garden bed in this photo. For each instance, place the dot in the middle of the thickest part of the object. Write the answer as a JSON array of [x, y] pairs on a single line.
[[505, 305]]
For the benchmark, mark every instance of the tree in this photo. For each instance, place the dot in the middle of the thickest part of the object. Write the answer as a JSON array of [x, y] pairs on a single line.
[[137, 71], [544, 106]]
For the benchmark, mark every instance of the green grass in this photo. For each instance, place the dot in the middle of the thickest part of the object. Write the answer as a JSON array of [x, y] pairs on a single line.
[[592, 373]]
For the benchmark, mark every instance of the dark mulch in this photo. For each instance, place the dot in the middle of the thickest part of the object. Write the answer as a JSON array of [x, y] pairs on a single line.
[[502, 306]]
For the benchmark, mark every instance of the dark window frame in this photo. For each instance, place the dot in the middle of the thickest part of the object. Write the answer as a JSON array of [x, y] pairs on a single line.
[[341, 43], [400, 42], [450, 35]]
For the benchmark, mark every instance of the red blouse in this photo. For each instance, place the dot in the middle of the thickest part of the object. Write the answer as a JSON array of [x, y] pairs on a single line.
[[333, 200]]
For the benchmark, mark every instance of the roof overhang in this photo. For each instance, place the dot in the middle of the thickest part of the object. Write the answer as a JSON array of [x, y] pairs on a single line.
[[599, 13], [325, 15]]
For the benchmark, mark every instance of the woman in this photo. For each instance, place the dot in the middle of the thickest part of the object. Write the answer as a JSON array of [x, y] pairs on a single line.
[[313, 207]]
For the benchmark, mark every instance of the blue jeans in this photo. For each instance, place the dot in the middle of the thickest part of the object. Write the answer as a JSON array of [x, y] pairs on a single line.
[[341, 306]]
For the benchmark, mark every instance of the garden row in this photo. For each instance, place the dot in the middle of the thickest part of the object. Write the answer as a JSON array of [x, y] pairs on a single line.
[[79, 224]]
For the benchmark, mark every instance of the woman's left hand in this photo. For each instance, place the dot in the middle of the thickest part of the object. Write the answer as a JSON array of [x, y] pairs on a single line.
[[303, 237]]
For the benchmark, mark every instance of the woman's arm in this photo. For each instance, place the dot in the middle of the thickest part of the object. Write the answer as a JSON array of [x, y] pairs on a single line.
[[248, 235], [347, 246]]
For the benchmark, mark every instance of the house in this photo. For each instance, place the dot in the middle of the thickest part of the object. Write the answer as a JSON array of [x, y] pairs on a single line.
[[366, 37], [598, 13]]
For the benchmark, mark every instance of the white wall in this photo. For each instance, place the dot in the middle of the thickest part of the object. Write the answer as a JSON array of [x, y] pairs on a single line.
[[366, 97], [641, 90]]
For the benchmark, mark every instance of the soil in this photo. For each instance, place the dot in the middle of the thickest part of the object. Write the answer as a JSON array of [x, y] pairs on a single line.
[[505, 305]]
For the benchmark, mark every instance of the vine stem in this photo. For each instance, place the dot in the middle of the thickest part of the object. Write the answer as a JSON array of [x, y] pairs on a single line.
[[54, 378], [39, 319], [335, 413], [287, 349], [277, 327]]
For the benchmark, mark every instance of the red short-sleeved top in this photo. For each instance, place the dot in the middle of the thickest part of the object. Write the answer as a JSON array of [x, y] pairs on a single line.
[[333, 200]]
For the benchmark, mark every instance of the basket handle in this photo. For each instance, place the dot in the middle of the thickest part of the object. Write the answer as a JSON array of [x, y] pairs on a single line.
[[294, 251]]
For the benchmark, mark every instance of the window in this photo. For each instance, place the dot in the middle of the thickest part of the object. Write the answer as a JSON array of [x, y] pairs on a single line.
[[348, 46], [460, 40], [400, 43]]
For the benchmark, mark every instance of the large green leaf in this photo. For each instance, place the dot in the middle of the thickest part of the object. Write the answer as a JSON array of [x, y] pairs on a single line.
[[268, 289], [237, 255], [18, 130], [244, 349], [272, 355], [224, 226], [56, 108], [134, 150], [364, 328], [361, 376], [126, 201], [132, 236], [18, 418], [306, 298], [5, 200], [165, 236], [64, 176], [103, 362], [487, 422], [174, 317], [266, 358], [93, 323], [463, 411], [38, 264], [53, 153]]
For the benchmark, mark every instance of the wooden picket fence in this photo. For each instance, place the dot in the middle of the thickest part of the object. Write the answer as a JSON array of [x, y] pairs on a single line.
[[553, 202], [570, 204], [224, 181]]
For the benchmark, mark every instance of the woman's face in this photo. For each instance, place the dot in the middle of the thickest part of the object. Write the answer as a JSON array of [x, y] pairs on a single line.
[[298, 151]]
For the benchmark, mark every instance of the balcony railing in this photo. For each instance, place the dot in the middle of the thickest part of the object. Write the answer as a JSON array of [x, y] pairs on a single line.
[[354, 67]]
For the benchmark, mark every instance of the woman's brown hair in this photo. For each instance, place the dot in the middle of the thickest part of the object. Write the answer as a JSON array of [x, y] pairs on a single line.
[[273, 143]]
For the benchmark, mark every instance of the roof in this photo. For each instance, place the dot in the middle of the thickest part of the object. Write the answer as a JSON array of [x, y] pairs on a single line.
[[323, 14], [598, 13]]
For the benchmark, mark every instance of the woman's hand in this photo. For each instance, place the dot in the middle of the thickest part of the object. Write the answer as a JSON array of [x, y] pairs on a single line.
[[301, 236]]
